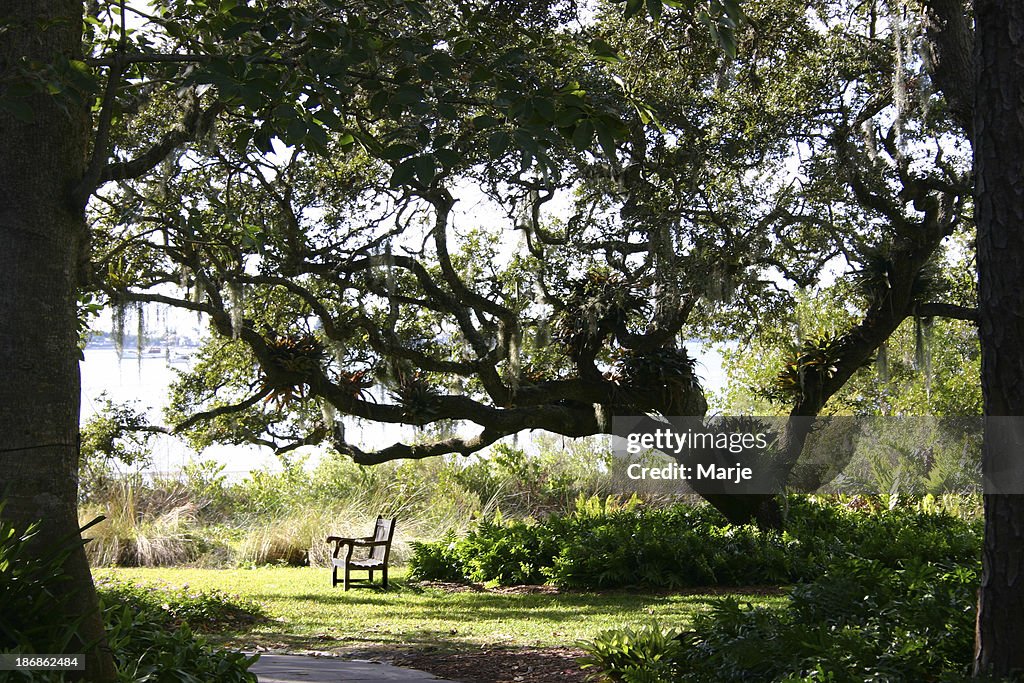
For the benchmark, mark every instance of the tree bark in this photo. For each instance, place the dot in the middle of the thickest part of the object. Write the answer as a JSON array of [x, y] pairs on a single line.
[[42, 231], [950, 47], [999, 211]]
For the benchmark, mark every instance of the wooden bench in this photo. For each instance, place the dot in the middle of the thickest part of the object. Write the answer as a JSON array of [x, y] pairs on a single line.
[[376, 560]]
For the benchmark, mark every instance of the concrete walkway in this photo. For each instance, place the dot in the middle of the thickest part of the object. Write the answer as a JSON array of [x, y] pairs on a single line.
[[300, 669]]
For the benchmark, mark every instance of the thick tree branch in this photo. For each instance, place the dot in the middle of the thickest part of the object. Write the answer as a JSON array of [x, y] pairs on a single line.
[[950, 45], [942, 310], [194, 121], [101, 141], [202, 416], [401, 451]]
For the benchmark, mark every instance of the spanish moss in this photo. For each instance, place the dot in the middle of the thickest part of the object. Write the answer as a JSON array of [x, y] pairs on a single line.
[[236, 300], [140, 333], [923, 351], [330, 414], [882, 363], [120, 309], [514, 365]]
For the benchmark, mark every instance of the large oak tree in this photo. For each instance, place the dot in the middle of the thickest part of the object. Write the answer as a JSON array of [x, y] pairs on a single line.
[[350, 282], [43, 235], [88, 98]]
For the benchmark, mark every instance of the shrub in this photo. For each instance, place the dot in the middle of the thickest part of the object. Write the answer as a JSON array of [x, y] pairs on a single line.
[[269, 494], [669, 548], [437, 561], [148, 647], [199, 610], [908, 624], [692, 546], [508, 553], [861, 621], [649, 653], [150, 634], [34, 592]]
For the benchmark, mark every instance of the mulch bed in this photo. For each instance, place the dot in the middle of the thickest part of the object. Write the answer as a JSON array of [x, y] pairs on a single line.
[[500, 665]]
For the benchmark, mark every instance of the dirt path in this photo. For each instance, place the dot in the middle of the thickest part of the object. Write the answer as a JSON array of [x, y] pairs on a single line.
[[500, 665]]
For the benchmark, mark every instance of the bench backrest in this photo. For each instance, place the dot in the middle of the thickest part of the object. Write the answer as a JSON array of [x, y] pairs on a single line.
[[383, 531]]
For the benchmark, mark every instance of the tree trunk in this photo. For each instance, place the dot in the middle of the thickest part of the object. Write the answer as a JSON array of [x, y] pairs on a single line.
[[999, 211], [41, 234]]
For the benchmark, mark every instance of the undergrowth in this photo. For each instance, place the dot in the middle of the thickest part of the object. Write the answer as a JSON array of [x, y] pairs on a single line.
[[860, 621], [151, 632], [690, 546]]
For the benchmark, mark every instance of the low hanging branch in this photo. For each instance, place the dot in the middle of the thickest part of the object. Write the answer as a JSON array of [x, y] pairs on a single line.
[[941, 310]]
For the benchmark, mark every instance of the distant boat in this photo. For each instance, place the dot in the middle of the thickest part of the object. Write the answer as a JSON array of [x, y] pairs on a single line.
[[148, 352], [179, 356]]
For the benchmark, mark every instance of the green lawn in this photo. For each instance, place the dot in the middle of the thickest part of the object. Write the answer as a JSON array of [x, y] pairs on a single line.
[[306, 613]]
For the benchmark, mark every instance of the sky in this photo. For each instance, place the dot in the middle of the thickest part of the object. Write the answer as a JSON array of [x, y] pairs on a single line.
[[146, 382]]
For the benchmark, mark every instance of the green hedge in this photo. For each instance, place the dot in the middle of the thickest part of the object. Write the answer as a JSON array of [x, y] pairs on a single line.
[[861, 621], [689, 546]]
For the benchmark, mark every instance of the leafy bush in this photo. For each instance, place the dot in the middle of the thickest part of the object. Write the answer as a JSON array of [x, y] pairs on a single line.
[[861, 621], [669, 548], [33, 592], [437, 561], [199, 610], [889, 536], [649, 653], [150, 632], [685, 546], [149, 646], [509, 553]]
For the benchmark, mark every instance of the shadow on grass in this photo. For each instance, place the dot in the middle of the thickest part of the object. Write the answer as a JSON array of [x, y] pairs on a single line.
[[418, 619], [307, 614]]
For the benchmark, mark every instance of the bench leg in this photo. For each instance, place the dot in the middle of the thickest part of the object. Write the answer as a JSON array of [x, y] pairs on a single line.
[[346, 577], [371, 576], [334, 577], [384, 576]]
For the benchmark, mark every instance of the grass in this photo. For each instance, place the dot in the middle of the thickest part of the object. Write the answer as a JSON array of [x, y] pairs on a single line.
[[306, 613]]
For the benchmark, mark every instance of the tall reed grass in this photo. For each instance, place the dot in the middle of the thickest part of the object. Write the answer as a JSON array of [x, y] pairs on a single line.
[[200, 518], [143, 528]]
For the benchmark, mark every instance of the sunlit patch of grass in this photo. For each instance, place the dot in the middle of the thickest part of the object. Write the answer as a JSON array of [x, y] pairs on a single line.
[[306, 613]]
